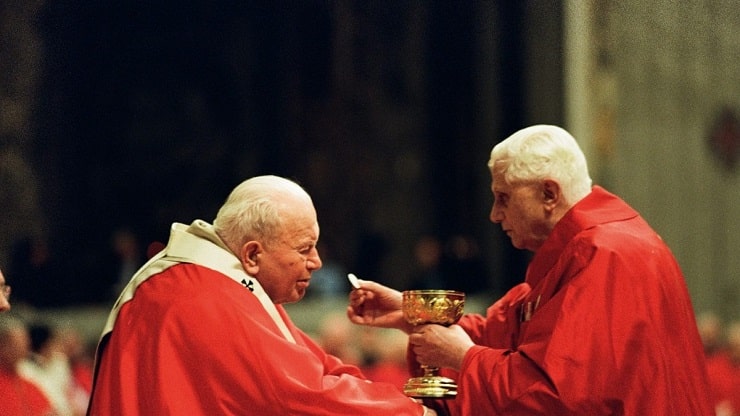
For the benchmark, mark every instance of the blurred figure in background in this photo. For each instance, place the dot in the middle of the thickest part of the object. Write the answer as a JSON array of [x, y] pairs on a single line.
[[49, 368], [711, 333], [724, 373], [4, 294], [80, 356], [388, 352], [18, 396], [380, 353], [128, 255], [338, 337]]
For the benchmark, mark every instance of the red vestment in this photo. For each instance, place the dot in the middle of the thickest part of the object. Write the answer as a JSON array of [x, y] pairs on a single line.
[[19, 396], [193, 341], [606, 329]]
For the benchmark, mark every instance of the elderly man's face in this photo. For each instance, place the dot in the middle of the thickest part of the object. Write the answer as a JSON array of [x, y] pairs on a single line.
[[285, 266], [521, 211]]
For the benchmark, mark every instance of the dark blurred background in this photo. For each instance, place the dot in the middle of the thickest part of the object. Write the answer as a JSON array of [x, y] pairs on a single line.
[[147, 113]]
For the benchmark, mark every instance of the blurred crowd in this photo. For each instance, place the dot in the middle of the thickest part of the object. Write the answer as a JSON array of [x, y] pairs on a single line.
[[380, 353], [44, 370], [722, 348]]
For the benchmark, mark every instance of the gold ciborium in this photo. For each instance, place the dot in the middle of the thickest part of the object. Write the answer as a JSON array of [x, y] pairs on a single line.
[[442, 307]]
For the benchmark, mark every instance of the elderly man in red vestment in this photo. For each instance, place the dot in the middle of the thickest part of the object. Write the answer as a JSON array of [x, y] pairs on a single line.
[[200, 329], [601, 325]]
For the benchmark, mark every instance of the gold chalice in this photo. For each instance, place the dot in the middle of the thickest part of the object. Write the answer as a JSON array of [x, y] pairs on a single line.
[[442, 307]]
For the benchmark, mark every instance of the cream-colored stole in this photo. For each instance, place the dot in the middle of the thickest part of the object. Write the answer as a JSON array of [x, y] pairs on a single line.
[[197, 244]]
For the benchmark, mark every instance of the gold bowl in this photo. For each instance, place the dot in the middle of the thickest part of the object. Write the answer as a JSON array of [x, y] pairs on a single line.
[[443, 307]]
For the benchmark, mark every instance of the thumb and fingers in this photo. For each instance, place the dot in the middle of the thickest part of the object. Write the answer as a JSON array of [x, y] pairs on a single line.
[[376, 305], [440, 346]]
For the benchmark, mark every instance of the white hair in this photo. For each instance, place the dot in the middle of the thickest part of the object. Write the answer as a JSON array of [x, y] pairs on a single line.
[[543, 152], [254, 210]]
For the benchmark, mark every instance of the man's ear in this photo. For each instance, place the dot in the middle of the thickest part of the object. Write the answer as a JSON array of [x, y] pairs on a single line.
[[249, 256], [552, 193]]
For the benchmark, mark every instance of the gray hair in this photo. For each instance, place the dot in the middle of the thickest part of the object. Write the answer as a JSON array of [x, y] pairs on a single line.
[[543, 152], [254, 209]]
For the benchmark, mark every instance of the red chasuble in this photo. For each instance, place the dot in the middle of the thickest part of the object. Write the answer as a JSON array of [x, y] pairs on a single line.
[[193, 341], [603, 326]]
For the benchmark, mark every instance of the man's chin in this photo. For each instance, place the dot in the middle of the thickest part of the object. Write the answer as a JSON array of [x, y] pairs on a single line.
[[517, 244], [514, 242], [297, 296]]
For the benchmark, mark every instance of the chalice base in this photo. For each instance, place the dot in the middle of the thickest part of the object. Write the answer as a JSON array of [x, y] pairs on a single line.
[[437, 387]]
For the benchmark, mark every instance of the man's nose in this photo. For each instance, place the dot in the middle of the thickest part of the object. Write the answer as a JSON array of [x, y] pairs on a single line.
[[496, 215], [314, 262]]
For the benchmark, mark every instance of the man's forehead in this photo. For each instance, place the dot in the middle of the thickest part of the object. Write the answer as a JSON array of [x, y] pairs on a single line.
[[498, 181], [501, 185]]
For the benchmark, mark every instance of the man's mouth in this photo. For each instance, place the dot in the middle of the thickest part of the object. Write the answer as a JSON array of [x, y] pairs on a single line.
[[303, 283]]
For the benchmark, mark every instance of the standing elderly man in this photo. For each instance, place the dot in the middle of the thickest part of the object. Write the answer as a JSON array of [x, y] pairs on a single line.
[[603, 323], [200, 329]]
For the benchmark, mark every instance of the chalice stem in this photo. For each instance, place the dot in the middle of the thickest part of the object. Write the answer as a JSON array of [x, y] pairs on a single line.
[[430, 371]]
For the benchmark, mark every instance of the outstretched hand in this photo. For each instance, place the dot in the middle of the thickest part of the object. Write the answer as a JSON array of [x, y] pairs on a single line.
[[376, 305]]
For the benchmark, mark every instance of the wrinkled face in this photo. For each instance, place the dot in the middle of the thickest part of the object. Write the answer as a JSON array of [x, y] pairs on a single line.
[[520, 209], [285, 266]]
